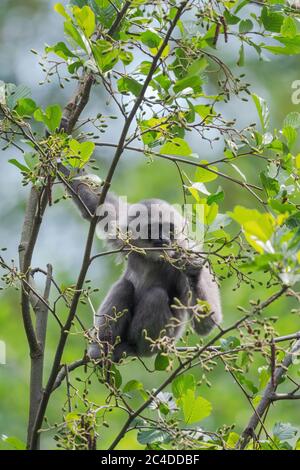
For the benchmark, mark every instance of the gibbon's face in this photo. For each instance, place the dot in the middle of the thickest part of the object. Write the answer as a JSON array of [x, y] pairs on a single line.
[[156, 225]]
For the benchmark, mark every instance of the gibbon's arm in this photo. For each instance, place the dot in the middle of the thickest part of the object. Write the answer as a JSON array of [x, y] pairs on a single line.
[[84, 189], [204, 287]]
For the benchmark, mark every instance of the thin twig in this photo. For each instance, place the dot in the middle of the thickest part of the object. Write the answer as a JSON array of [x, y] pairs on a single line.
[[268, 397]]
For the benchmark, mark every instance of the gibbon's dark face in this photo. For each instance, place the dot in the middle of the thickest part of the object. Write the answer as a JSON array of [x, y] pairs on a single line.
[[154, 224], [158, 235]]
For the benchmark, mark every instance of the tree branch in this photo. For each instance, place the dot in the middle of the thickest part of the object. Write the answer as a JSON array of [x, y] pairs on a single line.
[[81, 96], [206, 166], [267, 398], [26, 247], [68, 367], [37, 362], [284, 396]]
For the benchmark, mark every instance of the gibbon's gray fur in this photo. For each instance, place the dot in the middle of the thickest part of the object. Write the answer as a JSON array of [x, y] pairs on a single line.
[[141, 306]]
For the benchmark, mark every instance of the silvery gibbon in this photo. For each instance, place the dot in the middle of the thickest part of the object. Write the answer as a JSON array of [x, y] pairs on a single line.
[[163, 284]]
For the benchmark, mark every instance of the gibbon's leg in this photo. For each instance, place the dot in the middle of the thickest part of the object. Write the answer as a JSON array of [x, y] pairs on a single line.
[[205, 288], [112, 321], [153, 314]]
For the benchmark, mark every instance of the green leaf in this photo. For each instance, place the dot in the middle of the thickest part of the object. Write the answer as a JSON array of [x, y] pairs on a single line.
[[292, 120], [105, 55], [155, 128], [197, 66], [85, 18], [126, 57], [230, 18], [116, 376], [72, 32], [293, 221], [245, 26], [258, 227], [283, 50], [61, 50], [290, 134], [282, 208], [244, 381], [144, 67], [151, 39], [15, 93], [31, 159], [51, 117], [72, 68], [210, 213], [284, 431], [103, 3], [219, 196], [152, 436], [163, 81], [194, 82], [19, 165], [202, 175], [180, 64], [25, 107], [289, 27], [59, 8], [178, 146], [264, 376], [232, 440], [161, 362], [106, 11], [272, 21], [182, 384], [133, 385], [79, 153], [241, 58], [292, 45], [14, 442], [194, 408], [205, 112], [262, 110], [270, 185], [72, 419], [128, 84]]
